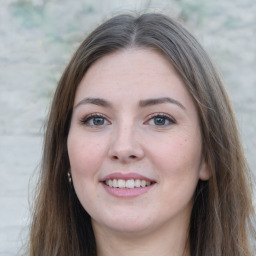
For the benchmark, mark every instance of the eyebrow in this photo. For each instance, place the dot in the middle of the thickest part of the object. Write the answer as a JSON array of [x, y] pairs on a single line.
[[156, 101], [143, 103], [96, 101]]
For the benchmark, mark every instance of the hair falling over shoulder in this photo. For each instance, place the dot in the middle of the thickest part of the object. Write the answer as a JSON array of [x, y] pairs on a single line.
[[222, 220]]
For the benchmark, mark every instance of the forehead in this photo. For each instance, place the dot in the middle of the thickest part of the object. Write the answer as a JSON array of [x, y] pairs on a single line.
[[132, 74], [136, 61]]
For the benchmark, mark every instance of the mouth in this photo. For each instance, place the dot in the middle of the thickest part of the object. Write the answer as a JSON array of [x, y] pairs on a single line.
[[127, 184]]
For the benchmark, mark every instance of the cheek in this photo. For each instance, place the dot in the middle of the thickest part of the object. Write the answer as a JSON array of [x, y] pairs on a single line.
[[178, 164], [178, 156], [85, 154]]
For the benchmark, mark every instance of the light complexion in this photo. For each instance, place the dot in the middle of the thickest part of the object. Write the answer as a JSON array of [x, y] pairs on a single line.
[[135, 152]]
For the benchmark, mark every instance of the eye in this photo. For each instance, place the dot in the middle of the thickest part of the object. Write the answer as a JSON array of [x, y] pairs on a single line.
[[160, 120], [95, 120]]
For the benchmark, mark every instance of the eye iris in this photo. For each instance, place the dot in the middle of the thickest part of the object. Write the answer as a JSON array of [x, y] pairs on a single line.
[[98, 121], [159, 121]]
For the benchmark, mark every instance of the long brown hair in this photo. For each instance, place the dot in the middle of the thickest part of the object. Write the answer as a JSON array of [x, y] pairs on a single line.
[[222, 215]]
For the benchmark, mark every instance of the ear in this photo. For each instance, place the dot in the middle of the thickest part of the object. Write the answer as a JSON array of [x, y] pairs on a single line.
[[205, 172]]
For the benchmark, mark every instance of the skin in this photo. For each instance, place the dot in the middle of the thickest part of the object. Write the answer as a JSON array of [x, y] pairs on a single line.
[[132, 138]]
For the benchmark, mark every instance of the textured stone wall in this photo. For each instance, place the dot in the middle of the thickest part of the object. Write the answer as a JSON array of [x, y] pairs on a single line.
[[38, 37]]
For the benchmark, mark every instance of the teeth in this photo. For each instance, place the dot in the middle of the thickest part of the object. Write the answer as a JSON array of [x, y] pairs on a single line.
[[120, 183], [129, 184], [137, 183], [114, 184]]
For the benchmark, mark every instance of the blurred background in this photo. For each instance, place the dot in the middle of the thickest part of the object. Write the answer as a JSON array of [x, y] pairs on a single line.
[[37, 39]]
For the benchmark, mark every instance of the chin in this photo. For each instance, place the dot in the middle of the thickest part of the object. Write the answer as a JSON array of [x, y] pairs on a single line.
[[129, 228], [127, 224]]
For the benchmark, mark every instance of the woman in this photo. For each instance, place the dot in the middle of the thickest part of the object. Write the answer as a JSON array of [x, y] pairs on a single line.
[[142, 154]]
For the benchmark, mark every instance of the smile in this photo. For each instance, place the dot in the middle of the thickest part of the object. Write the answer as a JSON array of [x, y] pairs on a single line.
[[127, 185], [131, 183]]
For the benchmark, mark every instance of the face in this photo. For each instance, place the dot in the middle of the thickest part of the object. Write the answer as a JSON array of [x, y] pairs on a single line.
[[134, 144]]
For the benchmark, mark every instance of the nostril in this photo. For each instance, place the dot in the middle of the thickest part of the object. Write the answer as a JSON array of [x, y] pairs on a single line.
[[131, 157]]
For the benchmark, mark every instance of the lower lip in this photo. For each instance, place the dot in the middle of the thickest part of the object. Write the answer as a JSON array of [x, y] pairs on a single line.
[[127, 192]]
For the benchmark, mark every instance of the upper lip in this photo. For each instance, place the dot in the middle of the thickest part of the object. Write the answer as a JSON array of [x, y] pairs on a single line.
[[126, 176]]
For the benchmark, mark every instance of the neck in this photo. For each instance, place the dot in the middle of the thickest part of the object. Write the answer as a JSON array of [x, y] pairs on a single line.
[[163, 242]]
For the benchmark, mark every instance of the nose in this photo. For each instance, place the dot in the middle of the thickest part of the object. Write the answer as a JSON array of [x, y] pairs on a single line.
[[125, 145]]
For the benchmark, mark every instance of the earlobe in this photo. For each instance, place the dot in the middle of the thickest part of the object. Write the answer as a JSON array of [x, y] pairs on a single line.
[[205, 172]]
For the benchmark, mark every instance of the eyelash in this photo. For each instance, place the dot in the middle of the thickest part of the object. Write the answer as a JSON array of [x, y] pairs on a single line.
[[85, 120], [170, 119]]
